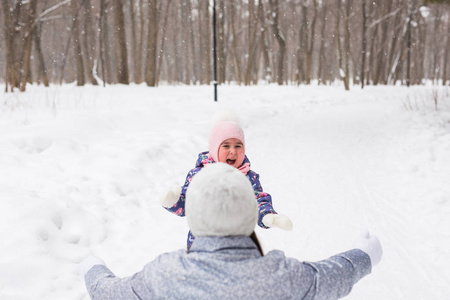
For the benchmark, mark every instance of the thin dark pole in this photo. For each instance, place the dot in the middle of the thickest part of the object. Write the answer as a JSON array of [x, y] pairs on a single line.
[[215, 50]]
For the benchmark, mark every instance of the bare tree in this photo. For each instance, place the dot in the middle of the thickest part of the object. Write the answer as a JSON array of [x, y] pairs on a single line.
[[338, 39], [140, 52], [446, 58], [236, 51], [30, 29], [310, 45], [280, 39], [11, 17], [134, 9], [267, 69], [151, 67], [155, 41], [121, 43], [101, 39], [205, 41], [252, 27], [320, 71], [184, 15], [194, 42], [222, 57], [42, 69], [88, 41], [163, 40], [347, 44], [78, 53], [364, 43]]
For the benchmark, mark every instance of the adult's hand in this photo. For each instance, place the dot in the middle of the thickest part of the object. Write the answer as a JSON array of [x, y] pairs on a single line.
[[371, 245]]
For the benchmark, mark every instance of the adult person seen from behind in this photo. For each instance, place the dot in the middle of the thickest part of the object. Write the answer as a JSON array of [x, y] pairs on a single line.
[[226, 261]]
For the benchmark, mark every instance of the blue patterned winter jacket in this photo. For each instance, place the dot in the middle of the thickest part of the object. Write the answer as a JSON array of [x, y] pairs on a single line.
[[232, 268], [264, 199]]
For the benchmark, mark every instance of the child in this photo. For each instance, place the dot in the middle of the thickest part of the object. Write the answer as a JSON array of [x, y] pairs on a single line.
[[227, 145]]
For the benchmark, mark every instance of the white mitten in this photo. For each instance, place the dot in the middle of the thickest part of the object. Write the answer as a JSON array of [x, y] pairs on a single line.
[[276, 220], [171, 197], [90, 261], [371, 245]]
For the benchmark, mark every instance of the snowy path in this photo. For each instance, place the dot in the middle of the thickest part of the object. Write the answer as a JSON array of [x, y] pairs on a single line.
[[365, 167], [81, 171]]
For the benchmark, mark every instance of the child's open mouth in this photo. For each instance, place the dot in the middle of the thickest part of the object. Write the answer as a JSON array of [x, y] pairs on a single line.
[[231, 161]]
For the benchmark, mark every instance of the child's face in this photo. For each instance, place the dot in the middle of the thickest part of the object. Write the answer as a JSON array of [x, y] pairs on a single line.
[[232, 152]]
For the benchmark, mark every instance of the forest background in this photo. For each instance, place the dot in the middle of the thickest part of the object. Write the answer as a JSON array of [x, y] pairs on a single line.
[[358, 42]]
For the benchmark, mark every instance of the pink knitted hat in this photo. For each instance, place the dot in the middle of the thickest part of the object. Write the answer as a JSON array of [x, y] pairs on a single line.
[[223, 130]]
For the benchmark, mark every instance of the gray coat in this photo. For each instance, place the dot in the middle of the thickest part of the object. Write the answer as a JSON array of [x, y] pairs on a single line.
[[232, 268]]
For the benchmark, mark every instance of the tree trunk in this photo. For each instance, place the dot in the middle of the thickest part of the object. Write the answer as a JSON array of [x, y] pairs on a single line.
[[408, 59], [184, 15], [195, 56], [134, 43], [309, 52], [371, 59], [446, 58], [11, 37], [222, 61], [280, 39], [6, 16], [236, 52], [205, 44], [8, 42], [163, 39], [320, 73], [88, 41], [140, 74], [347, 45], [152, 39], [435, 52], [31, 15], [395, 48], [338, 40], [42, 69], [119, 33], [364, 43], [77, 52], [380, 53], [101, 40], [420, 53], [303, 42], [252, 26], [267, 70]]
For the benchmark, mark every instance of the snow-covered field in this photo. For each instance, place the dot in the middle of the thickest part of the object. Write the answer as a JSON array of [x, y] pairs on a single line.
[[82, 169]]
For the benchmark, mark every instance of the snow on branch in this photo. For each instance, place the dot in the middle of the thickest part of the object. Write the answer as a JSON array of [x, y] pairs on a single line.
[[49, 10], [391, 14]]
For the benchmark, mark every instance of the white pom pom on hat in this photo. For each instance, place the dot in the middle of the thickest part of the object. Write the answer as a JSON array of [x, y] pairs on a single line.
[[226, 126], [220, 201]]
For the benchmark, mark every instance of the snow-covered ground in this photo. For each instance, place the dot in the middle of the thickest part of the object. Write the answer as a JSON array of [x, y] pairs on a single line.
[[82, 169]]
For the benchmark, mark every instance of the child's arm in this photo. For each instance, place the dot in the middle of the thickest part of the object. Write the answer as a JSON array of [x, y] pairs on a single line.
[[171, 198], [268, 217], [264, 199], [174, 200]]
